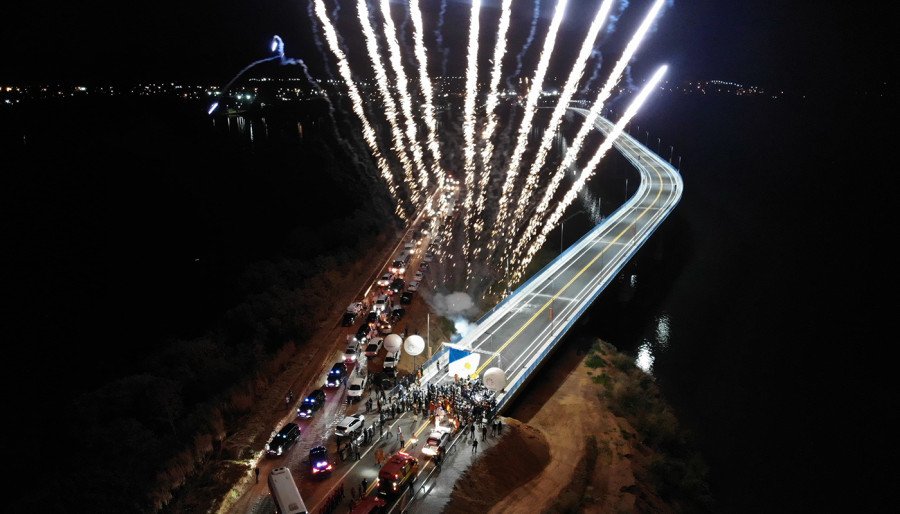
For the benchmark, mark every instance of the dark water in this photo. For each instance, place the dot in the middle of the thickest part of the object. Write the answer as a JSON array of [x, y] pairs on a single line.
[[762, 305], [127, 221]]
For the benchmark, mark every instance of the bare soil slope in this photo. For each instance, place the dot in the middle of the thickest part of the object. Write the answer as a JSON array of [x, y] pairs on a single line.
[[578, 475], [514, 461]]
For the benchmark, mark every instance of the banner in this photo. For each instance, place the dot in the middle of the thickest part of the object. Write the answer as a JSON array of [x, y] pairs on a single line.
[[463, 363]]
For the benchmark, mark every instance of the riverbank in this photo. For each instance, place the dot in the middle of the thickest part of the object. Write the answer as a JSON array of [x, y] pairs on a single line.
[[618, 449]]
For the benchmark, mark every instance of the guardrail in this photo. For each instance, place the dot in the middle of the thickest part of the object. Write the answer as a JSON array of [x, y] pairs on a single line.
[[413, 491], [511, 390]]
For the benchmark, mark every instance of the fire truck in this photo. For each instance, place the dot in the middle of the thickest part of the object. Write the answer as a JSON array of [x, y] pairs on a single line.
[[398, 472]]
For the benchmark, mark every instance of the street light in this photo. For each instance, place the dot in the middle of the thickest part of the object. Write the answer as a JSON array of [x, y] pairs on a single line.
[[562, 226]]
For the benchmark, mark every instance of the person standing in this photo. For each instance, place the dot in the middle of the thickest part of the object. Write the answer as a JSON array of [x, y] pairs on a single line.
[[474, 445], [256, 471], [483, 431]]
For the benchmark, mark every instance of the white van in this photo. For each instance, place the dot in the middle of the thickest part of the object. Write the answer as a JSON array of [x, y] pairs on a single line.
[[285, 493]]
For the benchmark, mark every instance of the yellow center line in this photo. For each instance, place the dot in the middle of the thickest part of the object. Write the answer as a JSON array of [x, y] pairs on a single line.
[[570, 282], [405, 446]]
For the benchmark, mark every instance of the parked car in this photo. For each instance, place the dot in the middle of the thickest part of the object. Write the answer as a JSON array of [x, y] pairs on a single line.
[[311, 404], [352, 312], [283, 440], [350, 424], [413, 286], [419, 276], [397, 313], [398, 266], [363, 333], [319, 463], [390, 362], [357, 386], [406, 297], [397, 285], [385, 279], [336, 375], [381, 303], [423, 266], [428, 257], [373, 347], [348, 319], [351, 353], [385, 327], [372, 317], [437, 441]]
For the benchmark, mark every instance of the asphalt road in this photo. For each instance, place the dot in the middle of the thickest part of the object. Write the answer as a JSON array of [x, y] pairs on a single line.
[[522, 329], [515, 335]]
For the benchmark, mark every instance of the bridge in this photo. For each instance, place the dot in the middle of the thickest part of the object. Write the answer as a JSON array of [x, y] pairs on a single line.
[[521, 330], [518, 333]]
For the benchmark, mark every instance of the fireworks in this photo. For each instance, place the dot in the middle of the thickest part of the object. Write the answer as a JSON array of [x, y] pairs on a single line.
[[425, 131]]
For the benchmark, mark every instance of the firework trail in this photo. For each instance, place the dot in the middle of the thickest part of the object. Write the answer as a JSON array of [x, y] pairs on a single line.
[[357, 102], [439, 37], [562, 104], [487, 134], [610, 28], [588, 171], [404, 28], [427, 93], [534, 94], [396, 59], [598, 65], [572, 153], [277, 47], [469, 121], [534, 19], [318, 40], [389, 106]]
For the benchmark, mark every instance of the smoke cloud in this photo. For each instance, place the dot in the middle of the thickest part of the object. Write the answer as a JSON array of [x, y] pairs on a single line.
[[453, 305], [534, 19]]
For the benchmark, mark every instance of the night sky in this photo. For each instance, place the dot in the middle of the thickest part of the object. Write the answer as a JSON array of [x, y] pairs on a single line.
[[801, 46]]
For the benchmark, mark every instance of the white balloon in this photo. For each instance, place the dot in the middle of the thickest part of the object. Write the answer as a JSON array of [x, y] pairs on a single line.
[[392, 343], [495, 379], [414, 345]]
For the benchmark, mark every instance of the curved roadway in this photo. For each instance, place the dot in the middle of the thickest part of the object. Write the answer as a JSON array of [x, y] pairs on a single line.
[[522, 329]]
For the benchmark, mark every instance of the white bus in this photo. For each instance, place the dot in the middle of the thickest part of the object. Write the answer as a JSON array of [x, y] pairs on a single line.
[[284, 492]]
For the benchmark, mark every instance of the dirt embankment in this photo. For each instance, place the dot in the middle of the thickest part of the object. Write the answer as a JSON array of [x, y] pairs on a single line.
[[506, 466], [593, 460]]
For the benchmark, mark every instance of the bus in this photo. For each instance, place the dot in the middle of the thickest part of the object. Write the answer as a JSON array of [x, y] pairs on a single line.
[[284, 492]]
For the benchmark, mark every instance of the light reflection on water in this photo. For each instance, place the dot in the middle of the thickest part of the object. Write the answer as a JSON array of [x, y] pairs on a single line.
[[649, 347]]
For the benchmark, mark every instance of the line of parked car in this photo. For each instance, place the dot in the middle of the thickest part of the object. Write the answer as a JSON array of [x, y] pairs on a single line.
[[378, 320]]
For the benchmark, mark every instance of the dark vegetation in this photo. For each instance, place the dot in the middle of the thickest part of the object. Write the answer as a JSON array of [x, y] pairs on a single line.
[[162, 407], [677, 472]]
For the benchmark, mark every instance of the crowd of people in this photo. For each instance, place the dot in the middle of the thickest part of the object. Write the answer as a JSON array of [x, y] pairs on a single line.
[[462, 404]]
